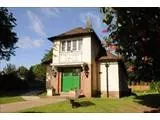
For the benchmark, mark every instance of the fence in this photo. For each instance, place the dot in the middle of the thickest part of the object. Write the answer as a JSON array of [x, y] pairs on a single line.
[[139, 86]]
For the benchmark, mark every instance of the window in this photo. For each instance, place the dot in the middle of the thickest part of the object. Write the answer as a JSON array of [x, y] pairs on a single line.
[[63, 45], [74, 47], [79, 44], [68, 45]]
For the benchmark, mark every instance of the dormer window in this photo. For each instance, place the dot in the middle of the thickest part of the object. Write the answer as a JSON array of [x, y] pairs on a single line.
[[71, 45]]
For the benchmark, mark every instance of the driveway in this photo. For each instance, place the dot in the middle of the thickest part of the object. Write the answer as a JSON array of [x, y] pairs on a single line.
[[17, 106]]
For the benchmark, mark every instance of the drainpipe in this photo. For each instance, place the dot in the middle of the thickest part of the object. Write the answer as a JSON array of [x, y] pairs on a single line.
[[107, 65], [58, 81]]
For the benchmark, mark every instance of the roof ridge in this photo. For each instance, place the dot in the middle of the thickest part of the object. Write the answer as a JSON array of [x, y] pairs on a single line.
[[74, 31]]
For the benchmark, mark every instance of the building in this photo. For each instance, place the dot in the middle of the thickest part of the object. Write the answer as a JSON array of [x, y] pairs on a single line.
[[80, 62]]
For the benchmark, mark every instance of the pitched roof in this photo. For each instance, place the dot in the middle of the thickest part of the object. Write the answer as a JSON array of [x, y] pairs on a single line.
[[110, 58], [74, 32]]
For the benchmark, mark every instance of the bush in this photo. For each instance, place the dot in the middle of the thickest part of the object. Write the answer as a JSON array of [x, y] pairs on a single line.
[[158, 87], [155, 86], [12, 82]]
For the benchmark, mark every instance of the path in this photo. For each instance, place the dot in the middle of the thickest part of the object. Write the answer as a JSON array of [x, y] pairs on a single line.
[[17, 106]]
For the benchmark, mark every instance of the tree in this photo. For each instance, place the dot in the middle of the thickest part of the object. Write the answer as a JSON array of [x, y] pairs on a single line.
[[22, 72], [137, 32], [8, 38], [47, 56], [10, 69], [39, 71]]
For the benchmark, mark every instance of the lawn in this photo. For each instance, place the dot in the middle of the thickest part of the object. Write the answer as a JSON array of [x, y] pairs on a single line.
[[123, 105], [4, 100], [9, 97]]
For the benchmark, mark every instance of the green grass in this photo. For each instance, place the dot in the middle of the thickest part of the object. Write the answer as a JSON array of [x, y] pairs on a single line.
[[4, 100], [10, 96], [126, 104]]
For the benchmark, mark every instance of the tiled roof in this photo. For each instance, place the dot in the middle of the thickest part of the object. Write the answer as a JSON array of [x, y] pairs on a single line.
[[110, 58], [73, 32]]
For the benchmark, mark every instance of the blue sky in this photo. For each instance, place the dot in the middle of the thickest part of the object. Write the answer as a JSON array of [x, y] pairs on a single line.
[[35, 25]]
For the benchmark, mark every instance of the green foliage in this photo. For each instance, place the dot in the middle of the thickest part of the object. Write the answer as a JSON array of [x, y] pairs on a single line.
[[137, 32], [10, 68], [8, 38], [155, 86], [30, 75], [22, 72], [10, 80], [39, 71], [47, 56]]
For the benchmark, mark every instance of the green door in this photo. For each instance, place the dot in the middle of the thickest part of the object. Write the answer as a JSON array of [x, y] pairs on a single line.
[[70, 79]]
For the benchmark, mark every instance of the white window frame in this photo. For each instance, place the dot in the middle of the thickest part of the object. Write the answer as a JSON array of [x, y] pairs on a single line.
[[66, 44]]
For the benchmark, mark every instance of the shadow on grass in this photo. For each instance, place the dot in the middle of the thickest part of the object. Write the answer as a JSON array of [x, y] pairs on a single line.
[[79, 104], [86, 103], [149, 100]]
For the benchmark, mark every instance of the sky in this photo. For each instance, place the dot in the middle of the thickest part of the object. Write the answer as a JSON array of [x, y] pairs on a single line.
[[35, 25]]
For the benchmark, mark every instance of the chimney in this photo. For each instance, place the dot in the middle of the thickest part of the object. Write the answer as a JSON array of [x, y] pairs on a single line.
[[88, 24]]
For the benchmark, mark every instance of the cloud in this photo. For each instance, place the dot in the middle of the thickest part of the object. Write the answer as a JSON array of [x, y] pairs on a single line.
[[96, 21], [27, 42], [53, 12], [36, 24]]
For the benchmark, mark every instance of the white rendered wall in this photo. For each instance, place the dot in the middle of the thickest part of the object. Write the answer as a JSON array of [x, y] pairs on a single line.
[[103, 82], [49, 92], [78, 56], [86, 50], [113, 78], [56, 51]]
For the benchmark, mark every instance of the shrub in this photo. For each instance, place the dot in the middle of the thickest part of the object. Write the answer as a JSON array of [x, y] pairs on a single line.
[[158, 87], [155, 86]]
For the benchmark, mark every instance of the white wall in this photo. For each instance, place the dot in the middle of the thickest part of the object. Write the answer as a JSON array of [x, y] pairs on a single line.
[[56, 51], [103, 83], [113, 78], [85, 52]]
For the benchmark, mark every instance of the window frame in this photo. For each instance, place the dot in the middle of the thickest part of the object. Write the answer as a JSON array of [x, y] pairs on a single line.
[[71, 45]]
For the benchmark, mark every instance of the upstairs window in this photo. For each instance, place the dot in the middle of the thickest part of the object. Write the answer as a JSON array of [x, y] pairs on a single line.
[[71, 45], [63, 45], [68, 45], [79, 44], [74, 45]]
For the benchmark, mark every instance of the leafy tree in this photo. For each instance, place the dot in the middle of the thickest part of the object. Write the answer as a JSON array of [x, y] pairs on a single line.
[[39, 71], [137, 32], [30, 75], [47, 56], [8, 37], [22, 72], [10, 69]]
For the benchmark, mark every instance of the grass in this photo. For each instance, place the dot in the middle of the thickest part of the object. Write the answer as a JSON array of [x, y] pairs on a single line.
[[10, 96], [4, 100], [98, 105]]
